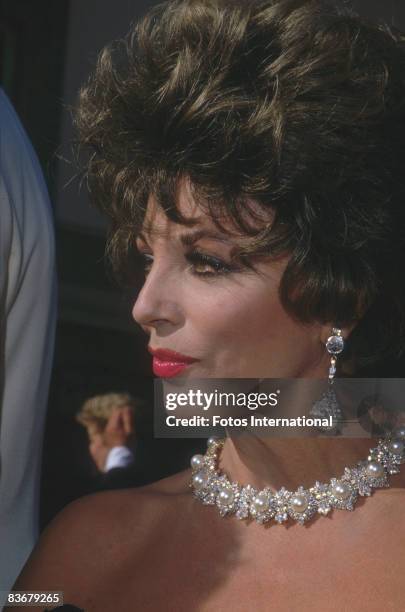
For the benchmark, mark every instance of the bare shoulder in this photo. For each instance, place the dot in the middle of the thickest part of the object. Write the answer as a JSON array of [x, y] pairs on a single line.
[[96, 533], [386, 535], [175, 485], [387, 518]]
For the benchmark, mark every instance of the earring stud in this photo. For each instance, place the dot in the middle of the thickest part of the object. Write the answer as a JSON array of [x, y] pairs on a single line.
[[334, 345]]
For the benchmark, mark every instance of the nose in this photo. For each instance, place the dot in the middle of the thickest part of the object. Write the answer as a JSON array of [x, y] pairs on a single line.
[[156, 306]]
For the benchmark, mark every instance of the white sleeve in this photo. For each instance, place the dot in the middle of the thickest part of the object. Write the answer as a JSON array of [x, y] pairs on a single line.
[[27, 325], [119, 456]]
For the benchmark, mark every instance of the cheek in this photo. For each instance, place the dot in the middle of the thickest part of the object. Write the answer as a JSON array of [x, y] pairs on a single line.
[[238, 313], [252, 323], [95, 446], [248, 333]]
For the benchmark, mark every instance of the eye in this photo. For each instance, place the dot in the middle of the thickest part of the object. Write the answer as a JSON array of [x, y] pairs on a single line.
[[146, 262], [201, 264], [206, 265]]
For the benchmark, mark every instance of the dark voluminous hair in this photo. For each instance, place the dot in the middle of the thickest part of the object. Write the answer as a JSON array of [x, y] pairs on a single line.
[[296, 104]]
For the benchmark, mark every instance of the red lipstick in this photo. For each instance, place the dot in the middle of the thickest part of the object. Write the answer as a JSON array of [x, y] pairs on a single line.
[[167, 364]]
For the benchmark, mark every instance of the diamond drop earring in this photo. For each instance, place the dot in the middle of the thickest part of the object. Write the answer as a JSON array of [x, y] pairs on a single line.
[[328, 405]]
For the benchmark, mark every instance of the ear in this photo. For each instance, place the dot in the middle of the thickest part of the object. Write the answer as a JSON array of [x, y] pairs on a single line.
[[326, 330]]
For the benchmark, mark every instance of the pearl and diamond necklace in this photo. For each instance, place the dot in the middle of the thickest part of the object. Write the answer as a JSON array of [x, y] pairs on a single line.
[[212, 487]]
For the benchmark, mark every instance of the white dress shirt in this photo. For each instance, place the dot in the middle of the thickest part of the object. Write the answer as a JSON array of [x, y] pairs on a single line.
[[118, 456]]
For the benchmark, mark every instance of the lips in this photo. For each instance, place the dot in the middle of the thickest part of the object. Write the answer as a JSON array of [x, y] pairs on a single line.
[[167, 364]]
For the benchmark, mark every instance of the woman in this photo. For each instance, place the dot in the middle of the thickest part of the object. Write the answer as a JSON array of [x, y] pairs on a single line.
[[254, 154]]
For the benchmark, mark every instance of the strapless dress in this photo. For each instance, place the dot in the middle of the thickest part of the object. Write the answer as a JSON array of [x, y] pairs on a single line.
[[65, 608]]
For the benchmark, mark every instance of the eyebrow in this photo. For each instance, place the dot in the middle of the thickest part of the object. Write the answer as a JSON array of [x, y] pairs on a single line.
[[192, 237]]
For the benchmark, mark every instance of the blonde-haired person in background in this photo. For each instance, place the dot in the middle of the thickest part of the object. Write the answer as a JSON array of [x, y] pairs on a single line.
[[109, 421]]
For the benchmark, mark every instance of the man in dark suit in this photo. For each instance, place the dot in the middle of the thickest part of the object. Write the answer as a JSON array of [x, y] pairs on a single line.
[[109, 421]]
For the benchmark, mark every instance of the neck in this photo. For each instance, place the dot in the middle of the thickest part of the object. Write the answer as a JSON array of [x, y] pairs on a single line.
[[286, 461], [289, 462]]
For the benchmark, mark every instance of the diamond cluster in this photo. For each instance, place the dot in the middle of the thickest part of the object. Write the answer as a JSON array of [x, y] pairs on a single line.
[[212, 487]]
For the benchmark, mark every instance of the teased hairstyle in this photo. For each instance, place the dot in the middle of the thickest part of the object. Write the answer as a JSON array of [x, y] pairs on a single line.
[[297, 104], [99, 408]]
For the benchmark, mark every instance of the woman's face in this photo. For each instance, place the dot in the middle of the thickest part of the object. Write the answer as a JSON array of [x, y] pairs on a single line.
[[199, 303]]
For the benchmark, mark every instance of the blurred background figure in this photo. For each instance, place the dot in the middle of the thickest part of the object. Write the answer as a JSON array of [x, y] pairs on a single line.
[[109, 420], [27, 326]]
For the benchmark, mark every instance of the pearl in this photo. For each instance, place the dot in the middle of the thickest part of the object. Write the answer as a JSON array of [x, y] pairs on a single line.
[[299, 503], [261, 502], [200, 480], [400, 433], [197, 461], [341, 490], [225, 496], [210, 486], [375, 469], [211, 440], [396, 447]]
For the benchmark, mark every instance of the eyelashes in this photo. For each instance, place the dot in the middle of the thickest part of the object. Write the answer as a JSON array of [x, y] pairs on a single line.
[[200, 264]]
